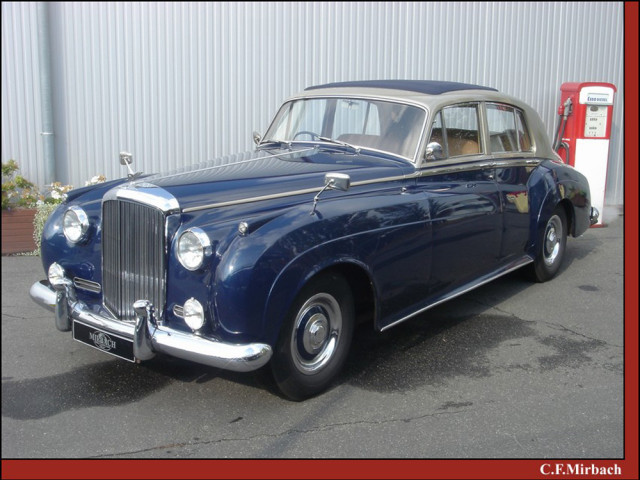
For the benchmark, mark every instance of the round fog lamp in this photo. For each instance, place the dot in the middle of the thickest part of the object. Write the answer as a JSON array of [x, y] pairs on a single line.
[[56, 274], [193, 314]]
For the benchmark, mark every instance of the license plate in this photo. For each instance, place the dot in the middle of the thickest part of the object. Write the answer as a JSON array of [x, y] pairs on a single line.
[[107, 342]]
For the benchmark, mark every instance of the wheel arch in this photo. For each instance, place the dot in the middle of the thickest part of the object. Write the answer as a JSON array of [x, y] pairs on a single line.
[[570, 215], [294, 278]]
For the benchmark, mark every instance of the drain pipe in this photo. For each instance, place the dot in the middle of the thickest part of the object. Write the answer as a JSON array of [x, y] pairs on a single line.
[[44, 62]]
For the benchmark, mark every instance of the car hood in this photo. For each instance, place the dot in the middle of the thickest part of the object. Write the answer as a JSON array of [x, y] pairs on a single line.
[[268, 173]]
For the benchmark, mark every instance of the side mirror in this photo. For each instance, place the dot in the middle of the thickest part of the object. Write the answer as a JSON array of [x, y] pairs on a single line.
[[337, 181], [332, 181], [126, 158], [256, 138], [434, 151]]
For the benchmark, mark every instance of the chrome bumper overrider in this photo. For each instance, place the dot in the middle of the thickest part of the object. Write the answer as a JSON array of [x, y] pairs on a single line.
[[595, 215], [149, 338]]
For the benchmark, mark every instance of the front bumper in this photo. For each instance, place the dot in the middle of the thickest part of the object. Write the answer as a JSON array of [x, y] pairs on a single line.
[[148, 337]]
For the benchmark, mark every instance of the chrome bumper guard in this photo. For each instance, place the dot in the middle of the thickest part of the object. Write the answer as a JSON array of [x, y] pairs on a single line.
[[148, 337], [595, 215]]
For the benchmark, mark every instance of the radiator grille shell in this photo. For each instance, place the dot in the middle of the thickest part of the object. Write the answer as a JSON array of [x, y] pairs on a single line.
[[133, 257]]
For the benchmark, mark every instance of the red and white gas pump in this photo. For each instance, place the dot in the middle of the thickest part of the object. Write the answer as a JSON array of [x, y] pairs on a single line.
[[584, 132]]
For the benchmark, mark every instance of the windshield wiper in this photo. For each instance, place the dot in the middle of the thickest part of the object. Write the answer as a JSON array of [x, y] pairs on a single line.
[[340, 142], [275, 143]]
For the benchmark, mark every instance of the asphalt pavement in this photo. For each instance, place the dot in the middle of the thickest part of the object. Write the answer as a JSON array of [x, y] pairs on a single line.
[[511, 370]]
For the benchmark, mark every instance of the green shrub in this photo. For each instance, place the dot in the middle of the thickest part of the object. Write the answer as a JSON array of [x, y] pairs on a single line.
[[42, 214], [17, 191]]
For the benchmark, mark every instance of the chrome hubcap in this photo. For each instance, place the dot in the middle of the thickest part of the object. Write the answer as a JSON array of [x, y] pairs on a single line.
[[552, 240], [316, 333]]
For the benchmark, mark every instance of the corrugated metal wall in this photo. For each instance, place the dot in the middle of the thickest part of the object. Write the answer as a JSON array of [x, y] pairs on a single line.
[[176, 83]]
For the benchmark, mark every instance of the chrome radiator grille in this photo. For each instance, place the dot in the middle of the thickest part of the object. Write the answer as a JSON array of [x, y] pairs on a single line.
[[133, 256]]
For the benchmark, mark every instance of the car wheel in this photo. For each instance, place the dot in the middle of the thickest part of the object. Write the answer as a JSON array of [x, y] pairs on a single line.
[[551, 247], [315, 338]]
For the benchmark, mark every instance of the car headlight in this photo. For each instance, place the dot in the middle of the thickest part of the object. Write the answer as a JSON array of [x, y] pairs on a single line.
[[193, 314], [75, 224], [193, 246]]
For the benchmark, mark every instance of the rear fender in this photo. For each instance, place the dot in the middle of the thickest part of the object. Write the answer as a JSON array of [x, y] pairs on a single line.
[[552, 186]]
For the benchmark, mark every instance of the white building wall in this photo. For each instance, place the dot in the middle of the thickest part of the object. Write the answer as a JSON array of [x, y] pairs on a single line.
[[176, 83]]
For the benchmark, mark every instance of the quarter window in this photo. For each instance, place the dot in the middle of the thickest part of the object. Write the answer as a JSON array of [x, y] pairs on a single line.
[[523, 133]]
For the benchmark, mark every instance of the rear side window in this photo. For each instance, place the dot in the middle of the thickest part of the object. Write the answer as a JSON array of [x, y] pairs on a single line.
[[507, 129]]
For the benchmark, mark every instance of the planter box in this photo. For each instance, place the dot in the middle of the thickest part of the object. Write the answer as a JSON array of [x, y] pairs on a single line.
[[17, 231]]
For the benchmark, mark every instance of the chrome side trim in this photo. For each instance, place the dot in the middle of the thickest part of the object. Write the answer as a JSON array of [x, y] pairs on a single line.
[[397, 178], [443, 167], [254, 199], [293, 193], [467, 288], [438, 169]]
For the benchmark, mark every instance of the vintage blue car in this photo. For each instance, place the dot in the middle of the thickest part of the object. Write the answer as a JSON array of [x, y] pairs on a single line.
[[364, 201]]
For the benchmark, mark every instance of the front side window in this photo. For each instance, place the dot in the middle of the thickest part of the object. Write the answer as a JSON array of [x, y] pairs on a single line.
[[458, 130], [366, 123]]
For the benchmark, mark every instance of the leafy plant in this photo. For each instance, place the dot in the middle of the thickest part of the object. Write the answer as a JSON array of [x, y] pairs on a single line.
[[17, 191], [43, 211]]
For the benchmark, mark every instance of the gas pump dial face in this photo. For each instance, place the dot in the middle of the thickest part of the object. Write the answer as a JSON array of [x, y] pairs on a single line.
[[595, 125]]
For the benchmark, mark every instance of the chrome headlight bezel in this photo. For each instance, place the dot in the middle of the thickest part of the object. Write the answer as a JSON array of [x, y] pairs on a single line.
[[75, 224], [193, 248]]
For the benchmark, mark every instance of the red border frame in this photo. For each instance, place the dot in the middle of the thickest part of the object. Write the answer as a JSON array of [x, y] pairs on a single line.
[[374, 469]]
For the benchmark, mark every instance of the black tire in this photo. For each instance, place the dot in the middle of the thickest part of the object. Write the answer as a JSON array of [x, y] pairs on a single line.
[[552, 244], [315, 337]]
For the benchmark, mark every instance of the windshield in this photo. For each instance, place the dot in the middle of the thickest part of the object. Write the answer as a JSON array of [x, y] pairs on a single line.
[[366, 123]]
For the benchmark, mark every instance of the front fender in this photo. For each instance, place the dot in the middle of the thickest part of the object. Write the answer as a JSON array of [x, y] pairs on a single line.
[[260, 274]]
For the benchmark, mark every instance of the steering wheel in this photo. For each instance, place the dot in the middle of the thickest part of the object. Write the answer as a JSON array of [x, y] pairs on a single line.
[[306, 132]]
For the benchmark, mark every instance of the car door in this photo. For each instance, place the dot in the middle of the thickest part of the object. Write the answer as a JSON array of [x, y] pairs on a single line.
[[512, 152], [463, 201]]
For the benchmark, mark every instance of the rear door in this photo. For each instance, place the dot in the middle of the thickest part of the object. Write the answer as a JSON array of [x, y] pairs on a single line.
[[512, 151], [463, 199]]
